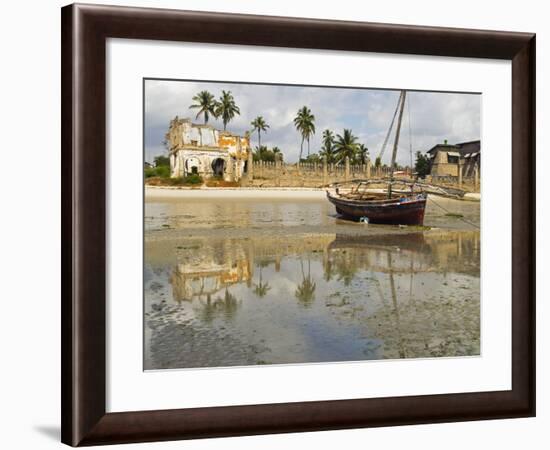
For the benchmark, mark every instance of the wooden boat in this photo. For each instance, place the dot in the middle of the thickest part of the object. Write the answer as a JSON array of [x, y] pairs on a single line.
[[387, 207], [398, 210]]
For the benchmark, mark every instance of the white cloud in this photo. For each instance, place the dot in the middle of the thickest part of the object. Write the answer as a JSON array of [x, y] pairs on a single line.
[[368, 112]]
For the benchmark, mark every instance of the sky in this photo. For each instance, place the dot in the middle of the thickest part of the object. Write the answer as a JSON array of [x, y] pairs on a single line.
[[428, 119]]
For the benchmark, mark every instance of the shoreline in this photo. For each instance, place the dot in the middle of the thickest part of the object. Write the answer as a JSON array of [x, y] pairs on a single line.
[[296, 193], [164, 192]]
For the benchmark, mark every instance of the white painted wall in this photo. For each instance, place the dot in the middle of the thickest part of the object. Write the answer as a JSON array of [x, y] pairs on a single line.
[[30, 245]]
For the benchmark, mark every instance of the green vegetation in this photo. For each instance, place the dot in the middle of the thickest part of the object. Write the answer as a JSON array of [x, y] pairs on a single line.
[[161, 168], [313, 158], [422, 165], [161, 161], [226, 108], [336, 149], [259, 125], [159, 175], [327, 150], [220, 182], [305, 124], [346, 145], [206, 104], [191, 179], [362, 154], [160, 171], [264, 154]]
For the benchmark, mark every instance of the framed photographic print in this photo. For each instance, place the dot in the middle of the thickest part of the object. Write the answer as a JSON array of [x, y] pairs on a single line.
[[276, 224]]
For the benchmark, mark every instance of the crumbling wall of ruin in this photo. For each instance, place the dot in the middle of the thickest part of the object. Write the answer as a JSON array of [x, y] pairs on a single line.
[[281, 174]]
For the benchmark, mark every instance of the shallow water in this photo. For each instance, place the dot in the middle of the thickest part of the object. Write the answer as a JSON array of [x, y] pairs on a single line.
[[244, 282]]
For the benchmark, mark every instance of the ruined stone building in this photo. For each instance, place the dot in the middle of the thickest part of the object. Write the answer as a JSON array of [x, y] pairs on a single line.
[[203, 150]]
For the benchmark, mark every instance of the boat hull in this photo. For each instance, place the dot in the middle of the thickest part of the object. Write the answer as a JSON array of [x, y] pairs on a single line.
[[407, 211]]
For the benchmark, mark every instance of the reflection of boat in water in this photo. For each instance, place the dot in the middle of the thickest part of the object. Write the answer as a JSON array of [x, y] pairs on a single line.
[[413, 242], [432, 252], [403, 208]]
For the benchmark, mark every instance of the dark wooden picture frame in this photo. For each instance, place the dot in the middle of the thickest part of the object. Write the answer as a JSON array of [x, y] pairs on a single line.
[[85, 30]]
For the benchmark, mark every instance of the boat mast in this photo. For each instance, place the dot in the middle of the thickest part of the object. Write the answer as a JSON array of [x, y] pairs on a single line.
[[396, 142]]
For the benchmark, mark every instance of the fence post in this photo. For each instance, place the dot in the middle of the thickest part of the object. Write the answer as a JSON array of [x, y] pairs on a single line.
[[250, 167], [346, 169], [277, 169], [367, 173], [325, 170], [459, 173], [476, 177]]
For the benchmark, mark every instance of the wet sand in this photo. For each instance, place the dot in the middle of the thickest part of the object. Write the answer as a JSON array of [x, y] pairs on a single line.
[[247, 277]]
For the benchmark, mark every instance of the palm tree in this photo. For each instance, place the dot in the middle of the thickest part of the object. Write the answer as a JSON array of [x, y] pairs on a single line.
[[345, 145], [206, 103], [305, 124], [259, 125], [277, 153], [328, 146], [226, 108], [362, 153]]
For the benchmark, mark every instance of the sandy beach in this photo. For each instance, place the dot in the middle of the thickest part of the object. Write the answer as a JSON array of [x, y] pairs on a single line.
[[166, 192], [153, 192]]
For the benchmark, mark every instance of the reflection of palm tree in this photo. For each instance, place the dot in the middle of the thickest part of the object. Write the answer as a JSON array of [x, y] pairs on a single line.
[[346, 272], [402, 350], [225, 307], [305, 292], [261, 289], [329, 272], [229, 304], [208, 311]]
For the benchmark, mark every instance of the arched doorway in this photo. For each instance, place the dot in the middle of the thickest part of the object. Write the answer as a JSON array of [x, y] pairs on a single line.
[[192, 165], [218, 165]]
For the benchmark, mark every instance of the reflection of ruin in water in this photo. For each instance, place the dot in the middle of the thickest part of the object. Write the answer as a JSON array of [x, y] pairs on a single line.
[[391, 296]]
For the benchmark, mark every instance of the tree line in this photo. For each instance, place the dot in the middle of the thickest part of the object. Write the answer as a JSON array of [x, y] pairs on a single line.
[[335, 147]]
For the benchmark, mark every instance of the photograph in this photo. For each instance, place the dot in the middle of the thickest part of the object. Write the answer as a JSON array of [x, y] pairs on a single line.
[[295, 224], [266, 225]]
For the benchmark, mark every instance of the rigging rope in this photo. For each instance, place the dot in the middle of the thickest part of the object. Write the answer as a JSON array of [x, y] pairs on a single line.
[[450, 212]]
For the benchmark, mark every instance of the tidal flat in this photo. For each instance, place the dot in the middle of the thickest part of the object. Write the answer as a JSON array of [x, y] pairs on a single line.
[[275, 277]]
